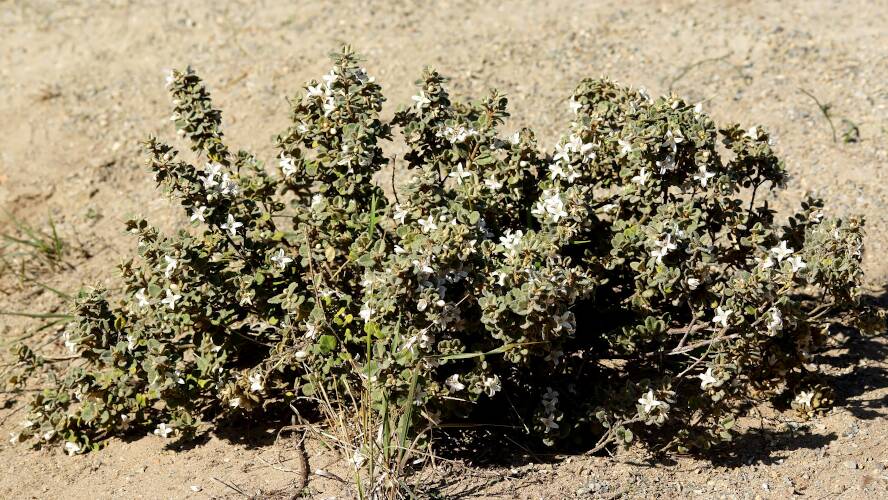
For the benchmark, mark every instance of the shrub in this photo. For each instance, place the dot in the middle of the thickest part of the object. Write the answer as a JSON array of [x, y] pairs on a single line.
[[631, 284]]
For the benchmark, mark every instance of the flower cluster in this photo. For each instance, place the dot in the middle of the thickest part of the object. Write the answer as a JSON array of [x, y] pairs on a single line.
[[617, 286]]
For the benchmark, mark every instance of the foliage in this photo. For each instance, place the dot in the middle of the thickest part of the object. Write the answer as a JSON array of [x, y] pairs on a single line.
[[632, 284]]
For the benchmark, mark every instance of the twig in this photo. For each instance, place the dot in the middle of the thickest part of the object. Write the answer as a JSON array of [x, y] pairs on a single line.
[[702, 343], [684, 70], [13, 412], [231, 486], [824, 108]]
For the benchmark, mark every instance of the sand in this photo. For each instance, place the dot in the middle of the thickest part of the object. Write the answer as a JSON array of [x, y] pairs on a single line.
[[81, 83]]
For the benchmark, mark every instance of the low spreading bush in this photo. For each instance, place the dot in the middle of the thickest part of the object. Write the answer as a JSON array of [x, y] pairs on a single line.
[[632, 284]]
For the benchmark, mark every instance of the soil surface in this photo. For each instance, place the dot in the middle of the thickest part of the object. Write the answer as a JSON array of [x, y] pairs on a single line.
[[81, 83]]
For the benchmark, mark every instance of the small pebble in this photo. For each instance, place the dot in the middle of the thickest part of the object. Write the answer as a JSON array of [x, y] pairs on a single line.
[[850, 464]]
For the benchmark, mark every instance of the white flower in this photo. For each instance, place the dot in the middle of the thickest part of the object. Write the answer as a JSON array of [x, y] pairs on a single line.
[[663, 247], [130, 342], [492, 385], [400, 215], [510, 239], [562, 153], [426, 340], [805, 399], [666, 164], [453, 384], [781, 251], [574, 106], [693, 283], [330, 78], [311, 330], [210, 174], [549, 422], [766, 263], [704, 176], [171, 265], [721, 316], [493, 183], [423, 266], [141, 298], [458, 134], [673, 140], [515, 138], [256, 384], [314, 91], [565, 322], [288, 166], [209, 180], [649, 402], [460, 173], [698, 108], [550, 205], [753, 133], [421, 100], [554, 356], [316, 201], [163, 430], [625, 147], [213, 169], [171, 298], [556, 171], [550, 396], [366, 313], [231, 225], [228, 187], [70, 343], [170, 78], [642, 177], [198, 214], [72, 448], [707, 380], [797, 263], [428, 225], [281, 259], [234, 402], [587, 150], [776, 322]]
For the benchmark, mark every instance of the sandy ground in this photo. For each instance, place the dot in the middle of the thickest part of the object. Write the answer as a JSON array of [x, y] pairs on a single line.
[[82, 82]]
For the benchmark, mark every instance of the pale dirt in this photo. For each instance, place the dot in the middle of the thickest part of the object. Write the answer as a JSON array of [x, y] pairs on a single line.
[[81, 83]]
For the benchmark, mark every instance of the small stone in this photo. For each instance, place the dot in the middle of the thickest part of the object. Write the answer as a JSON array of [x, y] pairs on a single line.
[[195, 488], [850, 464]]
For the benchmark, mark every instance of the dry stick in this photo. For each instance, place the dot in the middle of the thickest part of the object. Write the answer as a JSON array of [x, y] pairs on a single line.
[[686, 333], [301, 457], [686, 69], [233, 487], [702, 343], [13, 412], [608, 436]]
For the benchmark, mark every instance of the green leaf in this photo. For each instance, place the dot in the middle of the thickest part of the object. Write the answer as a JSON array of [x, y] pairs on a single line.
[[326, 344]]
